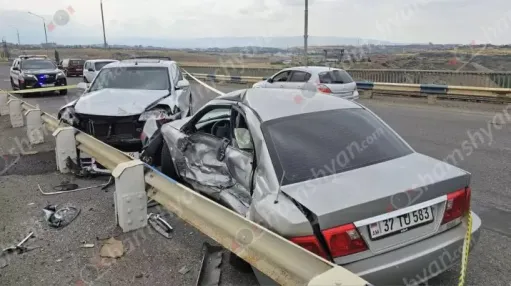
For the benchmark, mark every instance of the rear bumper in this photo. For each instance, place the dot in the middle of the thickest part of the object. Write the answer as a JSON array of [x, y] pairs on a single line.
[[354, 96], [418, 262]]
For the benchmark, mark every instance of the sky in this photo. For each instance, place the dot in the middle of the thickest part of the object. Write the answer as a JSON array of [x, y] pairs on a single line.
[[403, 21]]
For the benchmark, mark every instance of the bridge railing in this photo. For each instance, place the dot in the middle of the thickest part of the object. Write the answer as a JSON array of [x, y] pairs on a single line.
[[442, 77]]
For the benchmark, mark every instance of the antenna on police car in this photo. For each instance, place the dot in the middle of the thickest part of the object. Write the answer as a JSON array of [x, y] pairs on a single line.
[[280, 185]]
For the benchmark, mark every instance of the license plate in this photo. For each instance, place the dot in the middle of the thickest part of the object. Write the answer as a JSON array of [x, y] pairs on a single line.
[[135, 155], [401, 223], [46, 85]]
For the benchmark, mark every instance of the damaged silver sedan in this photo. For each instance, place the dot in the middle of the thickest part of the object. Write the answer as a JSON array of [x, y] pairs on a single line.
[[325, 173], [123, 96]]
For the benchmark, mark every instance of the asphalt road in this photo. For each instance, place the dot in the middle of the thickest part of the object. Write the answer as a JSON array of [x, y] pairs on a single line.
[[437, 131]]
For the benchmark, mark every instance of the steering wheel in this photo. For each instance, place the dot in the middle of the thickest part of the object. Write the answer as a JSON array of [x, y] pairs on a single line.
[[220, 124]]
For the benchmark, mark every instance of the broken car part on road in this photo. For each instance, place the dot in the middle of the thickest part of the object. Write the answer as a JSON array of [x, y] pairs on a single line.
[[210, 271], [59, 216], [160, 225], [69, 188]]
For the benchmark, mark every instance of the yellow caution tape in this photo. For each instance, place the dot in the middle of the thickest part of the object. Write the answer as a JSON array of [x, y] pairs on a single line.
[[466, 249], [42, 89]]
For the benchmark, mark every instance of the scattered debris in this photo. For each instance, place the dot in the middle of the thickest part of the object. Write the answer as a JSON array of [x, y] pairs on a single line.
[[210, 271], [184, 270], [151, 203], [140, 275], [60, 216], [58, 260], [69, 188], [160, 225], [31, 204], [112, 248], [18, 247], [87, 245]]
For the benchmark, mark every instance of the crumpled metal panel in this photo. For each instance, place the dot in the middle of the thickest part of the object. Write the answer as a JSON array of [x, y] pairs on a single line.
[[239, 164]]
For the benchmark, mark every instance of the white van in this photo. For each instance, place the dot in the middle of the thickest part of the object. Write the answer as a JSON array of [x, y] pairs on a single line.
[[92, 67]]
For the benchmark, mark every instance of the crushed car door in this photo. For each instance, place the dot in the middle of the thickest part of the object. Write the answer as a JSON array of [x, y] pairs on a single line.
[[200, 164], [197, 155], [239, 163]]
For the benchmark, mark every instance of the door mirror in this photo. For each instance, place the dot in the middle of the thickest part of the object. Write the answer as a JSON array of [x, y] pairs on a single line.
[[270, 80], [243, 139], [83, 85], [60, 67], [15, 68], [91, 69], [182, 84]]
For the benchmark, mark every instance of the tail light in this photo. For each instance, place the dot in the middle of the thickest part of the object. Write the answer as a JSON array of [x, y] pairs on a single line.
[[458, 205], [324, 89], [344, 240], [310, 243]]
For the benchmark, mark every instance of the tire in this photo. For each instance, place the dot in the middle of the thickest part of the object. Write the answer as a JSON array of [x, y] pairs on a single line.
[[85, 80], [21, 87], [167, 166], [13, 87], [191, 105], [63, 92]]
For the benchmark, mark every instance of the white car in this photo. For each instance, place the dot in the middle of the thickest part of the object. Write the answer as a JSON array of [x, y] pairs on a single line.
[[322, 79], [91, 68], [124, 95]]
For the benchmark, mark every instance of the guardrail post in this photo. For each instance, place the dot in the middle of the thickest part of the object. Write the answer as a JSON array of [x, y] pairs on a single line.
[[15, 112], [35, 130], [4, 107], [65, 147], [130, 198]]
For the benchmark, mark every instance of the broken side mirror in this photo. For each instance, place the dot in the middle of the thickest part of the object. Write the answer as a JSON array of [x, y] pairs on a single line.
[[83, 85], [243, 138]]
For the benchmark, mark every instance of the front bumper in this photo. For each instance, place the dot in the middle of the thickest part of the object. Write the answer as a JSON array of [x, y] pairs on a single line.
[[33, 82], [418, 262]]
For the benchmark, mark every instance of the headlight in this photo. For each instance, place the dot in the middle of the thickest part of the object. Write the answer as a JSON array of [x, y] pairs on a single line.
[[28, 75], [69, 116], [61, 74], [157, 114]]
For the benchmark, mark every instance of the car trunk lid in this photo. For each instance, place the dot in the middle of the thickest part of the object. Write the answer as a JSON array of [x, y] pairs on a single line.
[[367, 195], [338, 82]]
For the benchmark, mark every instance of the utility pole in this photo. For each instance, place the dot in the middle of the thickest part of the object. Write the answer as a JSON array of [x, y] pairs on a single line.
[[305, 35], [18, 33], [44, 24], [103, 22]]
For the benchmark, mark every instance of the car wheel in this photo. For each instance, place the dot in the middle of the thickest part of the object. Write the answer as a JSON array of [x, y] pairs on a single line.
[[167, 166], [21, 87], [12, 84], [85, 79], [190, 102], [63, 92]]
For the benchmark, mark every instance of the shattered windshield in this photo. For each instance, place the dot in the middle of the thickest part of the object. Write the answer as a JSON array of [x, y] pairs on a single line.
[[149, 78]]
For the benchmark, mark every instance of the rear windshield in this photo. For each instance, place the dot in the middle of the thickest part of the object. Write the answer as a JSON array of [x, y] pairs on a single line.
[[335, 76], [149, 78], [76, 62], [319, 144], [100, 65]]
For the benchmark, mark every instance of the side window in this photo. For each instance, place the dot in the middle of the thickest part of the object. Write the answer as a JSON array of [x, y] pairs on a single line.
[[300, 76], [86, 66], [215, 122], [179, 74], [283, 76]]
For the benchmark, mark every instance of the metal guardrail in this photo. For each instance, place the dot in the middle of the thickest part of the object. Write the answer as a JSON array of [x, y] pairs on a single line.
[[279, 259], [441, 77], [503, 94]]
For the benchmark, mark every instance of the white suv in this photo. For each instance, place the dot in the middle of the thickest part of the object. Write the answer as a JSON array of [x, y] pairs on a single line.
[[92, 67]]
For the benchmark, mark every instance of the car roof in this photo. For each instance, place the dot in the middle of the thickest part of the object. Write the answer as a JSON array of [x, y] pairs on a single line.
[[273, 103], [101, 60], [312, 69], [143, 63]]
